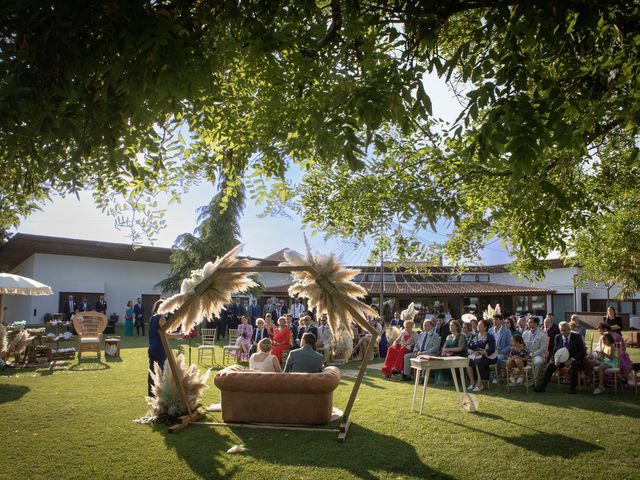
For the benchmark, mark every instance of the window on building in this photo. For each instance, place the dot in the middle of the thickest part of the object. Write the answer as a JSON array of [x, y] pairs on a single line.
[[626, 307], [390, 277], [373, 277], [453, 278], [522, 303], [483, 277], [359, 277], [538, 304], [468, 277]]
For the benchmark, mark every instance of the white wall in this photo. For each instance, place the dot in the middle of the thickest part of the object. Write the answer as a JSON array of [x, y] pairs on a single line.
[[119, 280]]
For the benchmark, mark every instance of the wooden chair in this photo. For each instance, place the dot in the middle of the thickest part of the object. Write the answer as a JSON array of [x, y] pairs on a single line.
[[231, 349], [208, 336], [612, 376], [89, 326], [529, 379]]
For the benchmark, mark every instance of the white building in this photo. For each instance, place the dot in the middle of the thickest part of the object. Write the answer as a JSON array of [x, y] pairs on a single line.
[[119, 272]]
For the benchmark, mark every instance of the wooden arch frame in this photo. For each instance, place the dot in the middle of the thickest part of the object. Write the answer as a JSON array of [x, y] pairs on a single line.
[[324, 283]]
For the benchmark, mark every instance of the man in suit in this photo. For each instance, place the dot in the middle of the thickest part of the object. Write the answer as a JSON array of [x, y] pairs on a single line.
[[551, 330], [305, 327], [258, 334], [396, 321], [428, 343], [101, 305], [536, 342], [138, 315], [442, 328], [296, 310], [573, 342], [237, 312], [69, 309], [268, 308], [254, 311], [325, 337], [279, 310], [305, 359], [83, 306], [503, 342]]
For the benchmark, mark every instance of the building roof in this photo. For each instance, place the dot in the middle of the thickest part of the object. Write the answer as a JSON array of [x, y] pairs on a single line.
[[276, 257], [438, 289], [21, 246]]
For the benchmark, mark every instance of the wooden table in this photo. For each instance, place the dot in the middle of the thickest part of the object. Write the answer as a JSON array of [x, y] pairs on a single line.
[[428, 363]]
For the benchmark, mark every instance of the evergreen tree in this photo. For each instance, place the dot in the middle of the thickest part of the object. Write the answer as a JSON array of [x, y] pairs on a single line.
[[218, 231]]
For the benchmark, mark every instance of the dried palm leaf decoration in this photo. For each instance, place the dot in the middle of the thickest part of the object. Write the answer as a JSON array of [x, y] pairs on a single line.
[[19, 344], [490, 312], [321, 292], [222, 286], [167, 404], [409, 313], [3, 340]]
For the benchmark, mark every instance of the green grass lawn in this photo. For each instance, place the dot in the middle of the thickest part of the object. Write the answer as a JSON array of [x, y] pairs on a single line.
[[76, 422]]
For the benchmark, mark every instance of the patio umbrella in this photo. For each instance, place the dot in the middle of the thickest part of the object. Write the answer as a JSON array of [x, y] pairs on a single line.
[[467, 317], [16, 285]]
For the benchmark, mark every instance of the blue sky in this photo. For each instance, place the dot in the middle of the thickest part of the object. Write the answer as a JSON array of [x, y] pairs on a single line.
[[71, 217]]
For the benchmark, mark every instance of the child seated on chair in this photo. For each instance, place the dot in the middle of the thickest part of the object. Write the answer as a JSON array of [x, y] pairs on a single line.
[[245, 331], [517, 358], [607, 358]]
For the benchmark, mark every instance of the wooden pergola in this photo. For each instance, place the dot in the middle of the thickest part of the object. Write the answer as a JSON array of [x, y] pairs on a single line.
[[349, 302]]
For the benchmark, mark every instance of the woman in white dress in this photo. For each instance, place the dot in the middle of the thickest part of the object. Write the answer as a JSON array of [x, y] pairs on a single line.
[[262, 360]]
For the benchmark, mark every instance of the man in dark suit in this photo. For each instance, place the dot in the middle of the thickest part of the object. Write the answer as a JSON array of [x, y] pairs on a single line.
[[551, 330], [305, 327], [268, 308], [101, 305], [575, 344], [396, 321], [238, 311], [83, 306], [69, 309], [138, 315], [305, 359], [442, 328], [279, 311], [254, 311]]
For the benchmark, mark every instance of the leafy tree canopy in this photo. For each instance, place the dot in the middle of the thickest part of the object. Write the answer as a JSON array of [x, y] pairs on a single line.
[[131, 97]]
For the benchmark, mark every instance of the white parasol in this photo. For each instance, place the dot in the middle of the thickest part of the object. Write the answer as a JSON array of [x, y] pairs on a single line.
[[467, 317], [16, 285]]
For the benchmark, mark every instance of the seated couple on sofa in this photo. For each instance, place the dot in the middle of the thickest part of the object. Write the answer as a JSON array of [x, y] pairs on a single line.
[[303, 360]]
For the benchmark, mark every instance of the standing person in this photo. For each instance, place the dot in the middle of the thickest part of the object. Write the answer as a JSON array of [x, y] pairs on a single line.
[[156, 351], [128, 319], [254, 311], [279, 311], [101, 305], [574, 343], [296, 310], [138, 313], [268, 308], [613, 320], [238, 311], [83, 306], [550, 330]]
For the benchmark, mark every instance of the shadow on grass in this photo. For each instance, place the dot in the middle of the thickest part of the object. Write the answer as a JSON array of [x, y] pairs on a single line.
[[624, 404], [202, 448], [366, 454], [11, 393], [537, 441], [88, 365]]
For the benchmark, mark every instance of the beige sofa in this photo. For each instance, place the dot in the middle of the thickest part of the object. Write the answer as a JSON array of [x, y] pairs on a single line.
[[287, 398]]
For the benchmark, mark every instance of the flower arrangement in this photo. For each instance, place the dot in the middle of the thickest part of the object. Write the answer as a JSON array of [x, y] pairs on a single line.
[[166, 405]]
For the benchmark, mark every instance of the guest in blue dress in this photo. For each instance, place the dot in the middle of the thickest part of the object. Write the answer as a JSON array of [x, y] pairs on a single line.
[[384, 343], [156, 351], [481, 349]]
